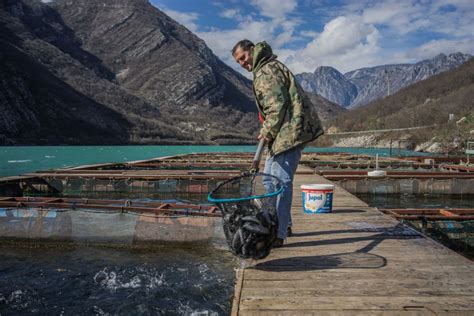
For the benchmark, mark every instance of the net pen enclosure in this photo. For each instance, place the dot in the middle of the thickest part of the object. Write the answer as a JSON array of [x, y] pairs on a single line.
[[137, 203]]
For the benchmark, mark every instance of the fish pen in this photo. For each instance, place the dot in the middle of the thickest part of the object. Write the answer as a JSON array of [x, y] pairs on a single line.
[[454, 227], [133, 204], [413, 185]]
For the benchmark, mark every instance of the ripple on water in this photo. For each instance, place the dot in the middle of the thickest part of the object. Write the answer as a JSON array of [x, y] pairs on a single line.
[[116, 281], [21, 300], [114, 278]]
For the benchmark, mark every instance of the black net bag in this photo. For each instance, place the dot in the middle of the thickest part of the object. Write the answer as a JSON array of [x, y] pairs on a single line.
[[250, 221]]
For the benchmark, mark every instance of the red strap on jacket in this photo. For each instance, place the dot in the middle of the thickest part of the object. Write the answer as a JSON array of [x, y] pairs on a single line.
[[260, 118]]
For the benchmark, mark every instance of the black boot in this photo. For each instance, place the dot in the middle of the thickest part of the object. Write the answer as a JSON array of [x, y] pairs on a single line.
[[278, 243]]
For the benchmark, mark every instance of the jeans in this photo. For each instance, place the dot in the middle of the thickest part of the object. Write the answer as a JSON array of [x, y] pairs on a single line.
[[282, 166]]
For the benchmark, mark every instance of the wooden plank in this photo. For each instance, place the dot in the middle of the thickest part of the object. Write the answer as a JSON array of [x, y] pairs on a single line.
[[380, 302], [322, 277], [237, 291], [408, 311], [357, 283], [361, 289], [354, 261]]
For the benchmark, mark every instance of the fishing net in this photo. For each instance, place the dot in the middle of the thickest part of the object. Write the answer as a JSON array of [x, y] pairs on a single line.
[[247, 203]]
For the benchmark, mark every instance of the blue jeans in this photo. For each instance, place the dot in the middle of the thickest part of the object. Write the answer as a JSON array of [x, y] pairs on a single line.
[[282, 166]]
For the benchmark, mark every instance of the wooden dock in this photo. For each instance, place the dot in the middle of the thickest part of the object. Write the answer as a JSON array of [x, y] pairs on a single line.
[[354, 261]]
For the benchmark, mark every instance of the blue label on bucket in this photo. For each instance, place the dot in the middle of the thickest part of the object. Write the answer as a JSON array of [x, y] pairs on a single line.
[[317, 201]]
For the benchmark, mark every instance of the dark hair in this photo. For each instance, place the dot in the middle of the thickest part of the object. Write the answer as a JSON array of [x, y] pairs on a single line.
[[245, 44]]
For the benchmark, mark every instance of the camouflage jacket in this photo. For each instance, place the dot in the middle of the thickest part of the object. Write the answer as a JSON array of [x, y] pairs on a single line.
[[290, 119]]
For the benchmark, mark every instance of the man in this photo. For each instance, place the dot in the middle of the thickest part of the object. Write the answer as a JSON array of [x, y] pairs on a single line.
[[289, 121]]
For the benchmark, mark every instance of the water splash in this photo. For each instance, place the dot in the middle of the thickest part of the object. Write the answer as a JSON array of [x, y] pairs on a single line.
[[204, 313], [19, 300], [117, 279], [107, 282], [97, 310]]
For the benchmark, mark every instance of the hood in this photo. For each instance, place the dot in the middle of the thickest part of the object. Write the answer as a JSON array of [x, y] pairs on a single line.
[[262, 54]]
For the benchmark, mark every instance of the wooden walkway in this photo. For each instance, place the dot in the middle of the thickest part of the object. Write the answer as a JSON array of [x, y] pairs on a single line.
[[354, 261]]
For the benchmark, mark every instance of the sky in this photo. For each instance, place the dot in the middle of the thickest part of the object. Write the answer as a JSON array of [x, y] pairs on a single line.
[[344, 34]]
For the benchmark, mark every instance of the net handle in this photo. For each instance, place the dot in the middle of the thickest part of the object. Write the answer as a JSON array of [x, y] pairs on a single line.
[[258, 156]]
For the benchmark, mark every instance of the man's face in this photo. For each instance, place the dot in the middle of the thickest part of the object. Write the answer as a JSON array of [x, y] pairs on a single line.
[[244, 58]]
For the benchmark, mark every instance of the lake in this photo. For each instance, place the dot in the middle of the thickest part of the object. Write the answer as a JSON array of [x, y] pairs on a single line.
[[86, 280], [16, 160]]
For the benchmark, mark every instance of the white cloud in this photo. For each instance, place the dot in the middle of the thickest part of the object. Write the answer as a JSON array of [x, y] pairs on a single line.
[[346, 43], [232, 14], [311, 34], [436, 47], [457, 23], [188, 19], [274, 8], [341, 34], [276, 29], [403, 17], [354, 40], [357, 34], [390, 12]]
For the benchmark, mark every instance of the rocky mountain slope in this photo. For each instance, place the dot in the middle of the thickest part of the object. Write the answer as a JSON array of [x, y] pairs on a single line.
[[444, 102], [118, 71], [361, 86], [326, 109], [37, 107], [330, 83]]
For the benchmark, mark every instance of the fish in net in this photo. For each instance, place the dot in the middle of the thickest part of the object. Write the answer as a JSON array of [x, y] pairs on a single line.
[[250, 221]]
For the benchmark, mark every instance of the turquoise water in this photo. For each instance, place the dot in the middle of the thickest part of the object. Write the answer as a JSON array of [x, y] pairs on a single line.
[[16, 160]]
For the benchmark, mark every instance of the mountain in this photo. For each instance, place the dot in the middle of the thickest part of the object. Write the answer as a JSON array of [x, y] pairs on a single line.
[[445, 100], [37, 107], [326, 109], [361, 86], [114, 71], [330, 83], [117, 72]]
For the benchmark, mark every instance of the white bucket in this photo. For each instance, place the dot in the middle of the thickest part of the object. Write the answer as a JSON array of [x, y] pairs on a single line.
[[317, 198]]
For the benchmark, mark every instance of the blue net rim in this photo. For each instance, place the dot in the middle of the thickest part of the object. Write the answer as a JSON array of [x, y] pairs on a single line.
[[247, 198]]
